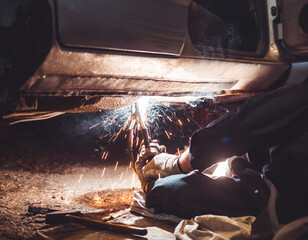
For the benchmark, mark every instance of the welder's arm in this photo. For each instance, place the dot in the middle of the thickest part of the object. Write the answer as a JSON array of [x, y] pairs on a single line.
[[264, 120], [184, 162], [162, 165], [165, 164], [145, 155]]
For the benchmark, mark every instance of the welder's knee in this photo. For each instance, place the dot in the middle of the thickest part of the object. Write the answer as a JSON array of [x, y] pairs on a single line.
[[196, 194], [169, 194], [165, 193]]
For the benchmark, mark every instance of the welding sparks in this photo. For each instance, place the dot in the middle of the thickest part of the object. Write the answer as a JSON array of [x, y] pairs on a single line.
[[106, 135], [142, 106], [167, 134], [94, 126], [80, 178], [116, 166], [117, 134], [125, 125], [114, 136], [97, 199], [105, 155], [117, 123], [103, 173]]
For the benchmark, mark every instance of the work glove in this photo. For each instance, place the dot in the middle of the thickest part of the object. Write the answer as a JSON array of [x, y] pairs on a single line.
[[162, 165], [145, 155]]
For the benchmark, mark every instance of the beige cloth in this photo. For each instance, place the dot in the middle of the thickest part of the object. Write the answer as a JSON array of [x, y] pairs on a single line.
[[213, 227]]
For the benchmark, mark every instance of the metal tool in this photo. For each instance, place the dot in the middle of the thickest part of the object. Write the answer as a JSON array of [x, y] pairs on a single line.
[[58, 217], [137, 117], [144, 128]]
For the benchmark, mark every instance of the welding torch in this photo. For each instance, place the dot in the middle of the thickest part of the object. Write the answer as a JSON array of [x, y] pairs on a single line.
[[144, 128], [138, 116]]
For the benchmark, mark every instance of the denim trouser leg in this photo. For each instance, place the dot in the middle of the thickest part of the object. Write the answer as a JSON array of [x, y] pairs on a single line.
[[196, 194]]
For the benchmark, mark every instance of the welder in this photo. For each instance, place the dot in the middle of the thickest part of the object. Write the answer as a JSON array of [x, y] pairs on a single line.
[[270, 134]]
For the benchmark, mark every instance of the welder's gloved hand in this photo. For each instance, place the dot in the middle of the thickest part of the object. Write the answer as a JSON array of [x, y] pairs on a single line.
[[162, 165], [149, 153], [146, 154]]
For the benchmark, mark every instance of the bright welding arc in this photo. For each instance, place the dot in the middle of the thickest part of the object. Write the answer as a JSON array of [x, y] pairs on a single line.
[[140, 108]]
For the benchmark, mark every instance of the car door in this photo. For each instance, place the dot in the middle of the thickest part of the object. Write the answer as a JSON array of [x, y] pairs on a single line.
[[154, 26], [292, 29]]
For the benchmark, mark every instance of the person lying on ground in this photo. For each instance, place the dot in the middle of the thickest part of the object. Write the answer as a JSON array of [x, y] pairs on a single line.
[[270, 130]]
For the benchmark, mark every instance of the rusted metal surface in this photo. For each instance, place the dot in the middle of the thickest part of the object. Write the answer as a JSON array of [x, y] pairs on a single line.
[[70, 73]]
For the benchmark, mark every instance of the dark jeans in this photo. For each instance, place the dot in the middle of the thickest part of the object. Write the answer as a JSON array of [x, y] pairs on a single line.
[[276, 120], [196, 194], [289, 173]]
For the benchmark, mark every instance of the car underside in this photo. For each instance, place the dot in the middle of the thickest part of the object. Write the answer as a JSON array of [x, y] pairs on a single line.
[[91, 55]]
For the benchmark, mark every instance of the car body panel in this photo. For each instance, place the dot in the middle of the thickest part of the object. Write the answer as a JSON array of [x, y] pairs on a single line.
[[101, 55], [71, 73], [155, 26], [294, 30]]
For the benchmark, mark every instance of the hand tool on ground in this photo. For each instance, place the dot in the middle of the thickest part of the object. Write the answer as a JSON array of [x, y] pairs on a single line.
[[77, 217]]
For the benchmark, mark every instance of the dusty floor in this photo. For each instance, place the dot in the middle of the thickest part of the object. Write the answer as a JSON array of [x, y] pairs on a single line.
[[20, 189], [57, 164], [70, 160]]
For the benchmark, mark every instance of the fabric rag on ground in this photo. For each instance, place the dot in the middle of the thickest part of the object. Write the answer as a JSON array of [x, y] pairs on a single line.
[[201, 227], [213, 227]]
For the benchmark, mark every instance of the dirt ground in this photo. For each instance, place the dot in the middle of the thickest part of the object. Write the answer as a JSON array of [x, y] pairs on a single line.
[[73, 161], [57, 164], [74, 191]]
